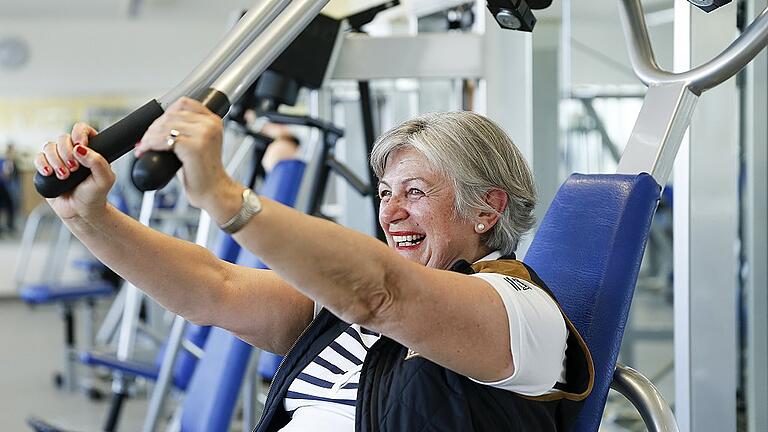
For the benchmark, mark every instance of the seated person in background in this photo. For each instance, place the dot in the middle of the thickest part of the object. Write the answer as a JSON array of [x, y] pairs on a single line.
[[440, 329], [284, 145]]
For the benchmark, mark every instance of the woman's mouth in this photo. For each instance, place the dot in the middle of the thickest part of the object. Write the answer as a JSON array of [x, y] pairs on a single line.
[[408, 241]]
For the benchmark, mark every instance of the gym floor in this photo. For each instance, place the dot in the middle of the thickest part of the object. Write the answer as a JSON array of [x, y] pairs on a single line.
[[33, 341]]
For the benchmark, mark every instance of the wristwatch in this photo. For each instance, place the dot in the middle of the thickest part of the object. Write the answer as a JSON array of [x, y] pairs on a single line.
[[251, 206]]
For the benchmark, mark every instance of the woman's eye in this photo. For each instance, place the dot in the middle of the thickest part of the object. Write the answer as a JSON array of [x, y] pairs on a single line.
[[384, 194], [415, 192]]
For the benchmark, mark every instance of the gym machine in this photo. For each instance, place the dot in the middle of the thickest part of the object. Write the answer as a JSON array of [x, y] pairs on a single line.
[[647, 160]]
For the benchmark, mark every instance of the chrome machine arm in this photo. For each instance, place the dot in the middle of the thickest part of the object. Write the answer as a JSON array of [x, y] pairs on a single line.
[[645, 397], [241, 55], [671, 97]]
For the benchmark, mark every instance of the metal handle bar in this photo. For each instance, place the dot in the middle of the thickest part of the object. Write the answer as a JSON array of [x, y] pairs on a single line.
[[702, 78], [656, 413], [236, 79], [155, 169], [248, 28]]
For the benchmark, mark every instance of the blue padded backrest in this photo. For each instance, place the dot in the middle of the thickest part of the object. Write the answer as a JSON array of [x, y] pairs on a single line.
[[228, 250], [215, 387], [186, 362], [213, 392], [588, 251]]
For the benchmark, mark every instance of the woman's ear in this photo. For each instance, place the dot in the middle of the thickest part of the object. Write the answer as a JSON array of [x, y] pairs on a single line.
[[497, 199]]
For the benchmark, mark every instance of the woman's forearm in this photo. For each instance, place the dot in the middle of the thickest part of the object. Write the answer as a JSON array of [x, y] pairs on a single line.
[[182, 276], [346, 271]]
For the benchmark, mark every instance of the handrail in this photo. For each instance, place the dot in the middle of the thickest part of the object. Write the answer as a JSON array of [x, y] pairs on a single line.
[[725, 65], [640, 391]]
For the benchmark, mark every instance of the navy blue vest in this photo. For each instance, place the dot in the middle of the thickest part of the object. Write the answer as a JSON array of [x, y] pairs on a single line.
[[400, 392]]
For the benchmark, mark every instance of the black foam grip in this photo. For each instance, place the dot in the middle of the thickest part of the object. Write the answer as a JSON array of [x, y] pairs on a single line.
[[153, 170], [111, 143]]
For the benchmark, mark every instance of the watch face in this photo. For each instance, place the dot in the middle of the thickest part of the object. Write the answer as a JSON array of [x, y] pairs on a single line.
[[253, 202]]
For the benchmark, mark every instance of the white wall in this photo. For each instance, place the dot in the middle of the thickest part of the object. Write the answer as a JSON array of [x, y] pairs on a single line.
[[115, 56]]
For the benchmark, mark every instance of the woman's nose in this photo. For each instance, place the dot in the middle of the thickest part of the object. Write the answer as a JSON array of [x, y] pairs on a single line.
[[392, 211]]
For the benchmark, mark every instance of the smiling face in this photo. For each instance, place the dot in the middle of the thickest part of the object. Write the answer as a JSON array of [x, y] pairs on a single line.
[[418, 215]]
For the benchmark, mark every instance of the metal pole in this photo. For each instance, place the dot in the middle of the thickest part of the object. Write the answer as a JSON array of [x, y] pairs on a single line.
[[705, 239], [236, 79], [755, 235], [710, 74], [366, 112], [640, 391], [251, 25]]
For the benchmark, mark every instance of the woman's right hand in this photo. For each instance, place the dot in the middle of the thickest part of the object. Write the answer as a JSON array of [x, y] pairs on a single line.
[[68, 154]]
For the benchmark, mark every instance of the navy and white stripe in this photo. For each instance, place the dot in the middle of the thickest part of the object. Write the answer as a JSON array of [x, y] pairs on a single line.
[[331, 380]]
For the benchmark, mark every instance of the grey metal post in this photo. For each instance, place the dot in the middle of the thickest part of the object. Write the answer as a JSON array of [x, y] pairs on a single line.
[[508, 76], [755, 220], [546, 108], [250, 393], [131, 303], [111, 321], [36, 217], [165, 377], [705, 227]]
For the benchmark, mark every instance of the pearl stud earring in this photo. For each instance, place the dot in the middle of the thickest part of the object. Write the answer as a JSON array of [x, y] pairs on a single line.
[[480, 227]]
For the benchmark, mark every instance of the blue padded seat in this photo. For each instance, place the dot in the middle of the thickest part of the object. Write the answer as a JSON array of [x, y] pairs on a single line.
[[52, 293], [213, 392], [128, 367], [182, 370], [90, 265], [588, 250], [215, 386]]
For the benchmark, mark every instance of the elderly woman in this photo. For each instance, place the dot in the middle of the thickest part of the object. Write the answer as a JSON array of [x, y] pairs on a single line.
[[448, 331]]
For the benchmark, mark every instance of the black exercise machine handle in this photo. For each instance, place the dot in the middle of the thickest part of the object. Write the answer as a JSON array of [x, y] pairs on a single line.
[[111, 143], [153, 170]]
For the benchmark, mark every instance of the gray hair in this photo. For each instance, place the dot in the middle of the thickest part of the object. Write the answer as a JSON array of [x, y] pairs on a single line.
[[476, 156]]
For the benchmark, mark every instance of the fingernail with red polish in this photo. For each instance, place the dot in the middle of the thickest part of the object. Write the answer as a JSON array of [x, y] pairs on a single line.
[[46, 170], [82, 151], [62, 172], [71, 164]]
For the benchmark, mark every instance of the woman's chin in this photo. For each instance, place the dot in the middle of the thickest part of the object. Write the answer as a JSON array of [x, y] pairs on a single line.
[[412, 253]]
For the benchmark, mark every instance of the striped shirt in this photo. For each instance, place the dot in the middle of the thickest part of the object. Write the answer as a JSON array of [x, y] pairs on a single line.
[[330, 382]]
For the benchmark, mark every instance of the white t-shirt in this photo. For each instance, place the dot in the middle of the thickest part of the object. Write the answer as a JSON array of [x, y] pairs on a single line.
[[322, 398]]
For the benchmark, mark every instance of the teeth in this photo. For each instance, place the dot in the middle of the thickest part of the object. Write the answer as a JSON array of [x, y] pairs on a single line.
[[408, 240]]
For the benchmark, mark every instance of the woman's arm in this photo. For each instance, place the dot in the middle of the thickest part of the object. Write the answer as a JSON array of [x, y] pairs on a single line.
[[455, 320], [188, 280], [185, 278]]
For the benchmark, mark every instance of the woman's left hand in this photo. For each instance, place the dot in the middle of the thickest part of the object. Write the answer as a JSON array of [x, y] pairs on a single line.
[[198, 146]]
